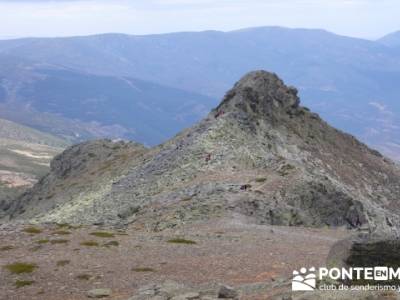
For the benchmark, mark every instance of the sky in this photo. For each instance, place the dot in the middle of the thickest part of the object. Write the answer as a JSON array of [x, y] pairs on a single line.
[[369, 19]]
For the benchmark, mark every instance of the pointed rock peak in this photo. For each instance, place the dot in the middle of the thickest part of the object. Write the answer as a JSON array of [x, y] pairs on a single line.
[[260, 94]]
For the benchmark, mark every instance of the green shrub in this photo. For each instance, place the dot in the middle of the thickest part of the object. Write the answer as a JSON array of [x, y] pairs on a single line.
[[90, 244], [181, 241], [44, 241], [19, 268], [54, 242], [32, 230], [143, 270], [22, 283], [261, 179], [111, 243]]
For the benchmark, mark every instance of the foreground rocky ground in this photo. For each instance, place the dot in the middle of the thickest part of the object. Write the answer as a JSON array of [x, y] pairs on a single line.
[[68, 262]]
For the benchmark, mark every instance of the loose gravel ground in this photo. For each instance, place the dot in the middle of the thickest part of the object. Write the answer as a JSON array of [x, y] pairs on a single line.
[[258, 260]]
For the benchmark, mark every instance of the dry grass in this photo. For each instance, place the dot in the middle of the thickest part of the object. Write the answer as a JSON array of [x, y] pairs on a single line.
[[62, 263], [32, 230], [181, 241], [102, 234], [22, 283], [111, 243], [143, 269], [83, 277], [90, 244], [62, 232], [44, 241], [6, 248], [54, 242]]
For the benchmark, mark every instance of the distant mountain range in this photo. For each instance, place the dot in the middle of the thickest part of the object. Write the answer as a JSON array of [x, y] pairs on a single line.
[[77, 105], [391, 40], [148, 87]]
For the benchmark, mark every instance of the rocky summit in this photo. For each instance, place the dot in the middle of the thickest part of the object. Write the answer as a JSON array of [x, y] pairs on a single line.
[[259, 155]]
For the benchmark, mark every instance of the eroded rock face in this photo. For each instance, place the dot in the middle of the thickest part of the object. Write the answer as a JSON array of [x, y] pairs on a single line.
[[259, 154]]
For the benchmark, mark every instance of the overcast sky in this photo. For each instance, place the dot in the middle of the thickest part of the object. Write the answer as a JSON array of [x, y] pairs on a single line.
[[360, 18]]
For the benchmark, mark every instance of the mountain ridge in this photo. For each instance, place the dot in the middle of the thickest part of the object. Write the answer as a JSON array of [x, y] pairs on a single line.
[[259, 154], [391, 39]]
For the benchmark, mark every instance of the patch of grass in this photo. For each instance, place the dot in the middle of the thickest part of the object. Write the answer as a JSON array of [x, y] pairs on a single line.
[[6, 248], [102, 234], [61, 232], [20, 267], [83, 277], [90, 244], [261, 179], [54, 242], [62, 263], [111, 243], [44, 241], [181, 241], [22, 283], [32, 230], [143, 269]]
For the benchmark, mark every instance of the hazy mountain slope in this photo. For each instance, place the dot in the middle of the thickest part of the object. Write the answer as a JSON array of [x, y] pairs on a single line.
[[25, 156], [391, 40], [258, 154], [77, 105], [351, 82]]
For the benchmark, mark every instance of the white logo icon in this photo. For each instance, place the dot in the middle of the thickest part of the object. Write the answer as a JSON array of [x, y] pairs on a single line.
[[381, 273], [305, 280]]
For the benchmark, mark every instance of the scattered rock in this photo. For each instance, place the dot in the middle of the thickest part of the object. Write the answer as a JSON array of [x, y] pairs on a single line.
[[99, 293], [187, 296], [227, 292]]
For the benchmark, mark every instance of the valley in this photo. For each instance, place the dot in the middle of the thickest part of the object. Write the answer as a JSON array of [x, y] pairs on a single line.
[[25, 156]]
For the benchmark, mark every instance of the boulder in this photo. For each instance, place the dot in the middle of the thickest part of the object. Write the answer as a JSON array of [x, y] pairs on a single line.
[[99, 293]]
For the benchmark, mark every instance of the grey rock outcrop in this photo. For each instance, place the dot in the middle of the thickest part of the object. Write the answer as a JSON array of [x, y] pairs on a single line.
[[170, 290]]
